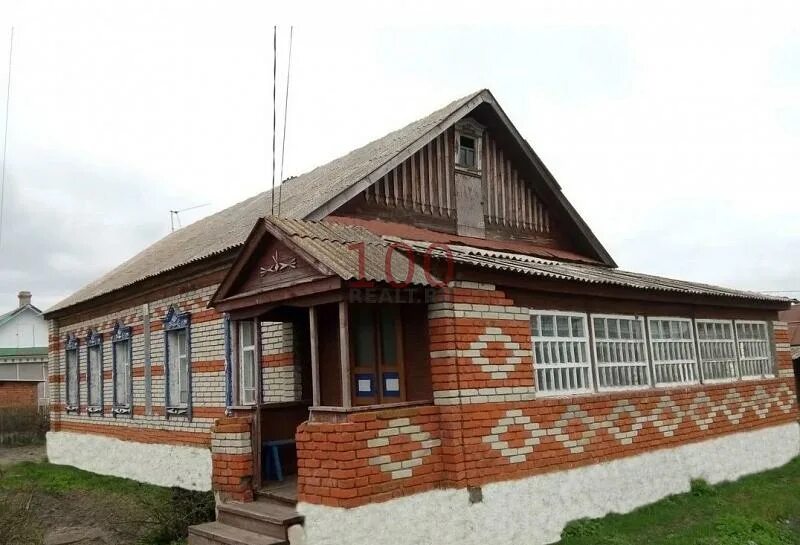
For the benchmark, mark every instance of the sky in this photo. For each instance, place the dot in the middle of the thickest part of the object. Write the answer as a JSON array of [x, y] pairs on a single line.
[[673, 128]]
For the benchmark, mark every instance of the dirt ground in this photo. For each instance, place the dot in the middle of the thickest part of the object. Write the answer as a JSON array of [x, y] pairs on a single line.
[[74, 517], [28, 453]]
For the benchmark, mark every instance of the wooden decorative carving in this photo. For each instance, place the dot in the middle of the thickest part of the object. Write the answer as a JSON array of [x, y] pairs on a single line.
[[277, 265]]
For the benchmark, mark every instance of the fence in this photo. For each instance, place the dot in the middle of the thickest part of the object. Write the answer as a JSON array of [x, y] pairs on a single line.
[[23, 425]]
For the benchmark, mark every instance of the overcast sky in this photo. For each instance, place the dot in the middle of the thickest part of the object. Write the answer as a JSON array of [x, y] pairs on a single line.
[[674, 132]]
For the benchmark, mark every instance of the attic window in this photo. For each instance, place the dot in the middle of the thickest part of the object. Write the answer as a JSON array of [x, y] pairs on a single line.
[[466, 151]]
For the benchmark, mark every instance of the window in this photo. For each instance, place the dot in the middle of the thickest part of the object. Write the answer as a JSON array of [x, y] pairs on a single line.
[[561, 352], [620, 352], [179, 385], [247, 362], [717, 350], [121, 369], [72, 372], [466, 151], [94, 378], [672, 348], [377, 355], [752, 339]]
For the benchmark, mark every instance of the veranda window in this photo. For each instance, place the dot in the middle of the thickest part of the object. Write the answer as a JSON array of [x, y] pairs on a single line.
[[72, 372], [672, 349], [620, 352], [377, 355], [94, 347], [179, 385], [121, 369], [561, 352], [755, 360], [247, 362], [717, 350]]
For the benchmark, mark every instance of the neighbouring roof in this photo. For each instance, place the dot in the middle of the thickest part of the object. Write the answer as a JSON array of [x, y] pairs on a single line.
[[331, 244], [8, 316], [314, 195], [26, 351], [795, 352], [792, 318]]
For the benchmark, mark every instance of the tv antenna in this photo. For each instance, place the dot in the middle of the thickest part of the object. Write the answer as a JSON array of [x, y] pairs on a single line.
[[174, 216]]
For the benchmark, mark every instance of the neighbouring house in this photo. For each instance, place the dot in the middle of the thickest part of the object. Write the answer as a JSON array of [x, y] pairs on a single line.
[[792, 319], [423, 344], [23, 356]]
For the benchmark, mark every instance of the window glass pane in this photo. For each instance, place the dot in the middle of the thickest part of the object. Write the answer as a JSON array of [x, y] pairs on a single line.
[[95, 375], [560, 346], [72, 376], [364, 336], [122, 372], [388, 337], [178, 367], [247, 330]]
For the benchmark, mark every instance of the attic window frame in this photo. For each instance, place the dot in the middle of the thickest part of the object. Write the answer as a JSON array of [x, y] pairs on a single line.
[[469, 128]]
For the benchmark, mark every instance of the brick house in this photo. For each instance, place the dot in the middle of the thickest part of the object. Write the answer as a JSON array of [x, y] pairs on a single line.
[[23, 356], [424, 343]]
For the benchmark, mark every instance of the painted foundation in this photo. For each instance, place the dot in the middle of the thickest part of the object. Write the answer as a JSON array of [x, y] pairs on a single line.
[[163, 465], [535, 510]]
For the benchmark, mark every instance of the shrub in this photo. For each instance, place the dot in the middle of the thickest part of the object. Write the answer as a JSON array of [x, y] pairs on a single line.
[[170, 524]]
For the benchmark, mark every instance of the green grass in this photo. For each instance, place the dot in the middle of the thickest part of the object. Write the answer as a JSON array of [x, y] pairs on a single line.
[[158, 516], [762, 509], [56, 479]]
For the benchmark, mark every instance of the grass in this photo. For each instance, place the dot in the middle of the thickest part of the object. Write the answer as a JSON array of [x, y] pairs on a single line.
[[761, 509], [35, 495]]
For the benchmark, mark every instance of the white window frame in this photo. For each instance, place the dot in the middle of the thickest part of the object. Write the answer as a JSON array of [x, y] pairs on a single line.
[[252, 349], [691, 362], [644, 364], [731, 341], [742, 359], [586, 339]]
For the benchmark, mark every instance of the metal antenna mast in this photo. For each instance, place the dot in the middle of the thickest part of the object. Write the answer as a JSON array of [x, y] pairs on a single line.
[[175, 218]]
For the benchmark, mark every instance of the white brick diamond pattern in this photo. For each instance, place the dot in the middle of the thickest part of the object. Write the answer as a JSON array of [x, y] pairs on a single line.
[[493, 337], [514, 419], [402, 469]]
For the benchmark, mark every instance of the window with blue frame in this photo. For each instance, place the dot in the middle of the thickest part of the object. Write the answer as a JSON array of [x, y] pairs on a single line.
[[72, 380], [177, 341], [122, 361], [94, 372]]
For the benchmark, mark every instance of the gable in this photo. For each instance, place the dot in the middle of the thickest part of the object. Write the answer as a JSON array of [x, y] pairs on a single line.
[[502, 201]]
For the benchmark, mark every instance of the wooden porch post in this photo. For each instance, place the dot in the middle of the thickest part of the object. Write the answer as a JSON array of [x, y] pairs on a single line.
[[312, 326], [344, 353]]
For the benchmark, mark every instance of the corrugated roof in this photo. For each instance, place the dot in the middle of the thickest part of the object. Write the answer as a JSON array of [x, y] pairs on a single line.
[[27, 351], [333, 245], [229, 228], [577, 272]]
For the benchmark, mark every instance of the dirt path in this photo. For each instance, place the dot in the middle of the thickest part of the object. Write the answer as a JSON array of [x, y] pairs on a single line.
[[28, 453]]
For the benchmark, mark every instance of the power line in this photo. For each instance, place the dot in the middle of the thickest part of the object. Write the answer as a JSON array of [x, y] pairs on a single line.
[[285, 116], [5, 135], [274, 75]]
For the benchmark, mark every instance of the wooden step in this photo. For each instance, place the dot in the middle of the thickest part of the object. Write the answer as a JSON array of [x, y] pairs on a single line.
[[262, 516], [216, 533]]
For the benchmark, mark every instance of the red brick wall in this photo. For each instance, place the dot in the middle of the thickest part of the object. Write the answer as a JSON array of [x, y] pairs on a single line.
[[487, 425], [19, 394]]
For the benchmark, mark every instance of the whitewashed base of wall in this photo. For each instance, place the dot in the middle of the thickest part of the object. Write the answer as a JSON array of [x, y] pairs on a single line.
[[535, 510], [163, 465]]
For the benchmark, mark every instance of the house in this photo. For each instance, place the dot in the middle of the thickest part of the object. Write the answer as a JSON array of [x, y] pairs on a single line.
[[792, 319], [23, 356], [424, 344]]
